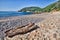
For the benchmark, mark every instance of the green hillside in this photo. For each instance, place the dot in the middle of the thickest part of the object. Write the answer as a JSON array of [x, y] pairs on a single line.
[[31, 9], [49, 8]]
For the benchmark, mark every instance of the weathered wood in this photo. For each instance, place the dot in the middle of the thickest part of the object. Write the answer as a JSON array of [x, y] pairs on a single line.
[[19, 30], [15, 28]]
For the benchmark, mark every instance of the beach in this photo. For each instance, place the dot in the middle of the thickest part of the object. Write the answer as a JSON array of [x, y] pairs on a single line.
[[43, 20]]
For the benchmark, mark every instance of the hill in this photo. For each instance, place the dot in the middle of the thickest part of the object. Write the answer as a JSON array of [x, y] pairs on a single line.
[[55, 6], [31, 9]]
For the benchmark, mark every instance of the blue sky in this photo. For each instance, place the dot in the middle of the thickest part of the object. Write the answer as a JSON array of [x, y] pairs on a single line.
[[14, 5]]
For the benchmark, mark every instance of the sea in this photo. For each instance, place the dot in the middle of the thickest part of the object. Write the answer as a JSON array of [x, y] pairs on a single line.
[[12, 13]]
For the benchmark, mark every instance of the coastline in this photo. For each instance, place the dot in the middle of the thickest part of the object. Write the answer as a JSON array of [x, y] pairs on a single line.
[[25, 19], [17, 21], [12, 22]]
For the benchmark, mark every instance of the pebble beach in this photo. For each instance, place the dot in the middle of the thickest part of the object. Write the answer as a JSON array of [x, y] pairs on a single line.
[[48, 23]]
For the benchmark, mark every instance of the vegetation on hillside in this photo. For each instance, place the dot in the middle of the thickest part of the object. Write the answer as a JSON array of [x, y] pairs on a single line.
[[49, 8], [31, 9]]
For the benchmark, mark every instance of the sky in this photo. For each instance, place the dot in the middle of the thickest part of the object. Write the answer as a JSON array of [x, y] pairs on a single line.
[[15, 5]]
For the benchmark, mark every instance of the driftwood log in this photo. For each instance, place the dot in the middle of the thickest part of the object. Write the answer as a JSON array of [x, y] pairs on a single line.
[[21, 30]]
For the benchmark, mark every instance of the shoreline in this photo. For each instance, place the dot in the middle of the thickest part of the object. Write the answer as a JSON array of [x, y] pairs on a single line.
[[17, 21], [12, 22]]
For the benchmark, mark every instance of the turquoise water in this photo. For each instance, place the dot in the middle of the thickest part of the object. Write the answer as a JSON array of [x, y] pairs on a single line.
[[12, 13]]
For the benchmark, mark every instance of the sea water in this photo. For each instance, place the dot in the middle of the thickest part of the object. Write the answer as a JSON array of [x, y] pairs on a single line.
[[13, 13]]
